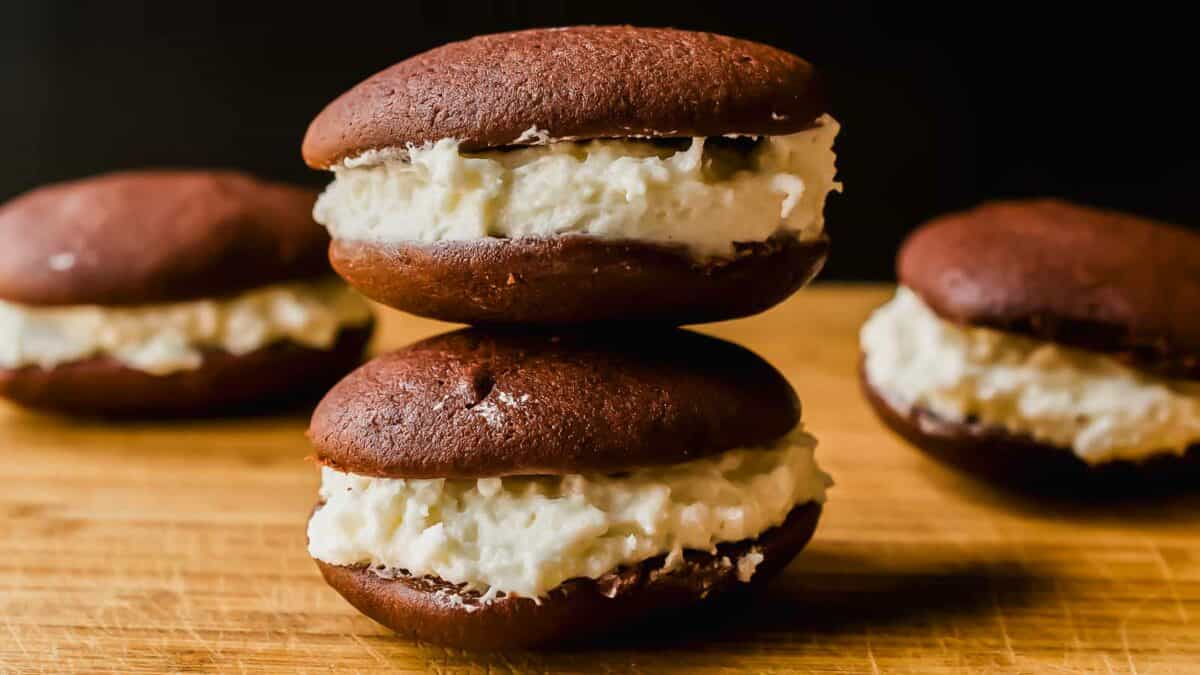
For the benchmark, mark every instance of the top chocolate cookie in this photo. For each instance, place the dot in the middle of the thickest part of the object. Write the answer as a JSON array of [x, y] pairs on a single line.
[[156, 236], [1079, 276], [570, 83], [480, 403]]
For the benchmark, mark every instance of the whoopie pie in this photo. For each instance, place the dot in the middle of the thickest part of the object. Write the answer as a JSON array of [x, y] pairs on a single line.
[[500, 488], [169, 292], [1044, 343], [594, 173]]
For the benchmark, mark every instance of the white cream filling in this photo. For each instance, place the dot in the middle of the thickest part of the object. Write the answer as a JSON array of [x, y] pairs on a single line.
[[165, 338], [526, 535], [1100, 408], [611, 189]]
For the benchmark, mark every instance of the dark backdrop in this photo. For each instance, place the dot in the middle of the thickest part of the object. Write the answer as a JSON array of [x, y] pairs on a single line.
[[941, 108]]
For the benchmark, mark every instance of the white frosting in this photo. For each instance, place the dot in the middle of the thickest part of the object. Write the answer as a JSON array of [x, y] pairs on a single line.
[[612, 189], [748, 564], [165, 338], [526, 535], [1091, 403]]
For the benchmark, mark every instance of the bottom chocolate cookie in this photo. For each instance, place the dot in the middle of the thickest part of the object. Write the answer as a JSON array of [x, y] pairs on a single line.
[[1022, 463], [436, 611], [573, 279], [103, 386]]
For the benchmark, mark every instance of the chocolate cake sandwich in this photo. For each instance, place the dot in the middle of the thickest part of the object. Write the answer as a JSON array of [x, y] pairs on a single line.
[[597, 173], [1044, 342], [175, 292], [506, 488]]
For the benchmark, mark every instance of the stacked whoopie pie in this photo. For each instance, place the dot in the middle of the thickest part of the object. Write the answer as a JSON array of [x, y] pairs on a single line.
[[170, 292], [1047, 345], [551, 176], [520, 484]]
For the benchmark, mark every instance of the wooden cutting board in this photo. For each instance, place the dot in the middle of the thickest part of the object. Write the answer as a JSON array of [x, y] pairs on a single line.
[[180, 547]]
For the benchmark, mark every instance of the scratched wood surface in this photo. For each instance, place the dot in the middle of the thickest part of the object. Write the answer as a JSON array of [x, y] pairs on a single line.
[[180, 547]]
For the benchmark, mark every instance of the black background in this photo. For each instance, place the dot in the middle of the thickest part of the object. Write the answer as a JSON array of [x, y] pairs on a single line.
[[941, 108]]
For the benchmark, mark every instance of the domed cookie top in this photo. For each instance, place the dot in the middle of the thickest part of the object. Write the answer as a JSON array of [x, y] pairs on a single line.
[[570, 83], [1080, 276], [474, 403], [156, 236]]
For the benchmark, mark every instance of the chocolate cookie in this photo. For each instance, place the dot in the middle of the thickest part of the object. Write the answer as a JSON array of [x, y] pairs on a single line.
[[1100, 280], [476, 403], [575, 279], [143, 237], [574, 83], [224, 382], [580, 175]]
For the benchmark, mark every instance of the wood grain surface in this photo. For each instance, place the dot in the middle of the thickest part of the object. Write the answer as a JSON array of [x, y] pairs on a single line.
[[180, 547]]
